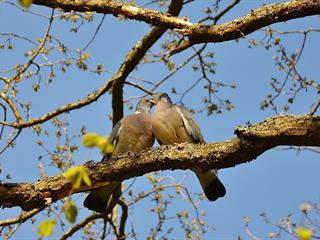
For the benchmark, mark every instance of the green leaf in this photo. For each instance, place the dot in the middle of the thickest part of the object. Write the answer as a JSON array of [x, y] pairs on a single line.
[[86, 180], [77, 175], [105, 147], [25, 3], [46, 227], [71, 212], [91, 140]]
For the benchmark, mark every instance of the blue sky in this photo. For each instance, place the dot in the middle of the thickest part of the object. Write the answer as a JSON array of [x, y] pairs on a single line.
[[276, 183]]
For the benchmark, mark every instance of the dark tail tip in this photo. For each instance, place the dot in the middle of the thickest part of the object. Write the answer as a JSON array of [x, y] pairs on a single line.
[[215, 190], [95, 204]]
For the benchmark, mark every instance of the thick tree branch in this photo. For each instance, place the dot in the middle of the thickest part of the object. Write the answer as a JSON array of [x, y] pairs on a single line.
[[198, 33], [248, 145]]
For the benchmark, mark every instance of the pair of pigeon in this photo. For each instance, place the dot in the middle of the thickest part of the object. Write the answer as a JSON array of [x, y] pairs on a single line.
[[169, 124]]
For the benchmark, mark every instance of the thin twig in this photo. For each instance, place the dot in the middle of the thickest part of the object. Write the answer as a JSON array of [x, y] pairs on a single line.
[[136, 85], [41, 46], [11, 141], [174, 71], [223, 12], [314, 107], [289, 72], [115, 231], [95, 33]]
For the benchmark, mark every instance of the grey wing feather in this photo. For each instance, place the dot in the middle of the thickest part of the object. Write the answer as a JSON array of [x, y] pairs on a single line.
[[190, 125], [114, 135], [113, 138]]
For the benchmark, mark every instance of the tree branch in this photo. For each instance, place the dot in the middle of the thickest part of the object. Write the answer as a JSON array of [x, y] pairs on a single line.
[[80, 225], [153, 17], [248, 145], [197, 33], [123, 219], [94, 96], [24, 216], [256, 19]]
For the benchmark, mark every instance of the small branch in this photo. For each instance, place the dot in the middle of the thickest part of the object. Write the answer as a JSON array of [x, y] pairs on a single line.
[[123, 219], [94, 96], [4, 118], [24, 216], [13, 107], [112, 224], [80, 225], [95, 34], [17, 77], [176, 69], [315, 107], [250, 142], [223, 12], [10, 142], [136, 85], [7, 84]]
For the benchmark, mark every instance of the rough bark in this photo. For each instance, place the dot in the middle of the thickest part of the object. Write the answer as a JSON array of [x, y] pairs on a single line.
[[250, 142]]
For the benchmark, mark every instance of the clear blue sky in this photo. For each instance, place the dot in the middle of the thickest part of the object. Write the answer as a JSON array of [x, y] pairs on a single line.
[[276, 183]]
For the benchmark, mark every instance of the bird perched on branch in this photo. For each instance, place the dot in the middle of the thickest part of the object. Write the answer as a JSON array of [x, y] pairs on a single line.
[[171, 124], [132, 133]]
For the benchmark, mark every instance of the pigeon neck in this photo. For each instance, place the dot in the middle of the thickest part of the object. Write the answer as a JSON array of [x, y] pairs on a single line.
[[143, 110], [161, 105]]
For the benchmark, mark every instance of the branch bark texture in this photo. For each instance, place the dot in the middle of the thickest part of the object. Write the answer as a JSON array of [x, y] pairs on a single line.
[[250, 142]]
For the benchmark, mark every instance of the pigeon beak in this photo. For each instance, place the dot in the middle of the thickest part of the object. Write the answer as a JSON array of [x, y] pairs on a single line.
[[153, 101]]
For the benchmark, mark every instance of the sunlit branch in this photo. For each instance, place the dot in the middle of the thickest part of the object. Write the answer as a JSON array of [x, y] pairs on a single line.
[[197, 33], [12, 106]]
